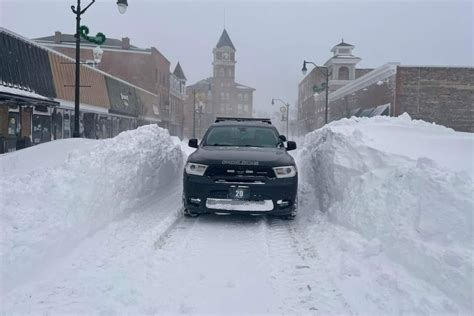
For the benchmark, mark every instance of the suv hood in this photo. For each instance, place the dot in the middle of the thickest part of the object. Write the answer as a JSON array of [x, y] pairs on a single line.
[[247, 156]]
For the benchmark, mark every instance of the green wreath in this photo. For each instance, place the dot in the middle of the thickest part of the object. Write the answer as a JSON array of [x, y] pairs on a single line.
[[99, 39]]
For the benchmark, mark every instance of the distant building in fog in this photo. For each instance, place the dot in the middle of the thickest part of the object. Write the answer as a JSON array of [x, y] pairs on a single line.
[[218, 95]]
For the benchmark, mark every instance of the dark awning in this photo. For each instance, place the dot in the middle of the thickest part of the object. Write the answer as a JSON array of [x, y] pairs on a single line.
[[24, 100]]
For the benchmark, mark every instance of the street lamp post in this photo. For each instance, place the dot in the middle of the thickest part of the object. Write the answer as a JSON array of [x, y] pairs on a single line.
[[122, 6], [194, 113], [200, 109], [287, 114], [327, 74]]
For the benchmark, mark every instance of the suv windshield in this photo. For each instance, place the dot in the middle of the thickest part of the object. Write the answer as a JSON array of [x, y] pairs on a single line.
[[247, 136]]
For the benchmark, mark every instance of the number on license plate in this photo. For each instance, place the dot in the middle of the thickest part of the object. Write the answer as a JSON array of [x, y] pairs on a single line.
[[239, 193]]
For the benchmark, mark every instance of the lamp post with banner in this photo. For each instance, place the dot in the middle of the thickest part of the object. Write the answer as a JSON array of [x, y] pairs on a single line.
[[284, 109], [82, 31], [326, 74]]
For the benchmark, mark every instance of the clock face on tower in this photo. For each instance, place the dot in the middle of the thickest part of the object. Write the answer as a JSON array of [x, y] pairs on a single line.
[[225, 56]]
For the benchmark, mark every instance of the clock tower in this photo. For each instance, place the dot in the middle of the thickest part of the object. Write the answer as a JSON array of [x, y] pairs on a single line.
[[224, 58], [218, 95]]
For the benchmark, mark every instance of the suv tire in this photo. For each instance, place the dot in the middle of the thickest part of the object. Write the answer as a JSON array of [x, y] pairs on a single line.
[[187, 213]]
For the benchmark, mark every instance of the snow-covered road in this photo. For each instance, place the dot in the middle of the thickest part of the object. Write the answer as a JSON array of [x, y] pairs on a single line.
[[211, 264], [220, 264], [143, 257]]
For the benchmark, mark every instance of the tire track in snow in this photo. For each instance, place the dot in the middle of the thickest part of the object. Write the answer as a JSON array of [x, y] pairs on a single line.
[[299, 275], [221, 261]]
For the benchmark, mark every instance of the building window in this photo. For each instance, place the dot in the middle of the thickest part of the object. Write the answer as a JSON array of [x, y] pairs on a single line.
[[221, 72], [246, 97], [343, 50], [13, 124], [343, 73]]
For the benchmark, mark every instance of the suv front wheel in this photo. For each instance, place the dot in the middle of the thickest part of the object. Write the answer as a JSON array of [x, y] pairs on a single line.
[[187, 213]]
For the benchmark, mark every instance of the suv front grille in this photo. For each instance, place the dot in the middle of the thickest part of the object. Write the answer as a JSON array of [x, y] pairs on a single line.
[[239, 173]]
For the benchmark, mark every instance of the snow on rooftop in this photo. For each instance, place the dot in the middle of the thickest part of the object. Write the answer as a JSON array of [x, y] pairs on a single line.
[[22, 92]]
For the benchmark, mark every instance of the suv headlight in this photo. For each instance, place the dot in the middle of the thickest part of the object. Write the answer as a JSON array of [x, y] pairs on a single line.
[[285, 172], [195, 169]]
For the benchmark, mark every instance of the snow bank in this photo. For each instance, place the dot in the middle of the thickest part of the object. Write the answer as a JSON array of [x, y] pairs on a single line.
[[402, 183], [56, 194]]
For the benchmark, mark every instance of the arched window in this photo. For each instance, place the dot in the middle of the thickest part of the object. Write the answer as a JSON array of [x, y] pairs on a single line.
[[343, 73]]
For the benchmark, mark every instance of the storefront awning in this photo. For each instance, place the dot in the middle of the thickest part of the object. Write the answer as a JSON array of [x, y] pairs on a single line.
[[25, 100]]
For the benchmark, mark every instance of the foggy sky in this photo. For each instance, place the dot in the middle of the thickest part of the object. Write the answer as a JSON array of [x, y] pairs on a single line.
[[271, 38]]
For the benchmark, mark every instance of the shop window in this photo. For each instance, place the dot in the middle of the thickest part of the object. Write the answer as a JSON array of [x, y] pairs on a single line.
[[115, 126], [58, 126], [13, 124], [67, 126], [41, 128], [90, 125]]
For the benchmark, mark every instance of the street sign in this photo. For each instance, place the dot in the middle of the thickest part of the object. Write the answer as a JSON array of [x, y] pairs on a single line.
[[283, 109]]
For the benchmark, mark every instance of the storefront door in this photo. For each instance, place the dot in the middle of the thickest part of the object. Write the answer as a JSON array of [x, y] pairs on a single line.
[[41, 128]]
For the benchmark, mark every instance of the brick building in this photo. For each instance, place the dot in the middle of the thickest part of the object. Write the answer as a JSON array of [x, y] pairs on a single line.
[[311, 96], [219, 95], [443, 95], [147, 68], [438, 94]]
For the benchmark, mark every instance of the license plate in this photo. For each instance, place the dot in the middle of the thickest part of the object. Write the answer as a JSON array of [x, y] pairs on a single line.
[[239, 193]]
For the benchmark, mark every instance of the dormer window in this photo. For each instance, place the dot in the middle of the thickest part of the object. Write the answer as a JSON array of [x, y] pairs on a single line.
[[343, 51]]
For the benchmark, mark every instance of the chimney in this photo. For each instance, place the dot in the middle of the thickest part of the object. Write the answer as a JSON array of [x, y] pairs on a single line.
[[125, 43], [57, 37]]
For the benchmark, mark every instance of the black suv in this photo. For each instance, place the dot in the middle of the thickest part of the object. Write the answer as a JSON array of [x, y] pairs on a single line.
[[241, 166]]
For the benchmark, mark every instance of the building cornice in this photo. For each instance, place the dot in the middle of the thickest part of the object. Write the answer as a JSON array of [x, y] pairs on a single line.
[[105, 48], [381, 73]]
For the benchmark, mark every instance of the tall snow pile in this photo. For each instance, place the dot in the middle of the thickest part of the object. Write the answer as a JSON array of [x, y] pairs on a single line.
[[56, 194], [404, 184]]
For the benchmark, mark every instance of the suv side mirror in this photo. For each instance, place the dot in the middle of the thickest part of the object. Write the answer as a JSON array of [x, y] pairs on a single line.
[[283, 138], [193, 142], [290, 145]]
